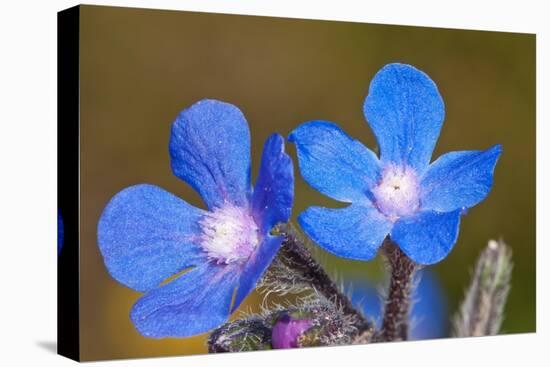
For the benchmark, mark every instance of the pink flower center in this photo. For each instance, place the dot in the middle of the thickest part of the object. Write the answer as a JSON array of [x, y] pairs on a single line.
[[229, 234], [397, 193]]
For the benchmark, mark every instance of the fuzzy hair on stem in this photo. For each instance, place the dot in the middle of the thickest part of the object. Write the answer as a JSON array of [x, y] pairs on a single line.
[[395, 323], [296, 269], [482, 310], [329, 327]]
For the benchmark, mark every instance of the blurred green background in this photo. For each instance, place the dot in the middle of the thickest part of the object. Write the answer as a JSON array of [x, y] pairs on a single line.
[[139, 68]]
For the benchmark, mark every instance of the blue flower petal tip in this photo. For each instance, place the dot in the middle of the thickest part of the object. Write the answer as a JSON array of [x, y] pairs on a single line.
[[399, 193], [405, 111], [188, 261], [210, 150], [333, 162], [274, 189], [355, 232]]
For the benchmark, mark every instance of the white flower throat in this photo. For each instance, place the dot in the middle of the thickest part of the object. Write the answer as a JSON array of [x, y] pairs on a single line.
[[229, 234], [397, 193]]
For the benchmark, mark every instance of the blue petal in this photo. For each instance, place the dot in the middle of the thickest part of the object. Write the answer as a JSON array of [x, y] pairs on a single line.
[[274, 190], [60, 232], [355, 232], [459, 179], [210, 150], [405, 112], [146, 234], [194, 303], [334, 163], [255, 267], [428, 236]]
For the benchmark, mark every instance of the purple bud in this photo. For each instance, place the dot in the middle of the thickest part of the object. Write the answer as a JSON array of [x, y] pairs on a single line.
[[286, 332]]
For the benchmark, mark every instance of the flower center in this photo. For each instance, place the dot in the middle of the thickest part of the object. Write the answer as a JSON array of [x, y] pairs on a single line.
[[397, 194], [229, 234]]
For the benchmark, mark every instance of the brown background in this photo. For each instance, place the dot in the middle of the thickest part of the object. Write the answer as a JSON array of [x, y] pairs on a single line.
[[139, 68]]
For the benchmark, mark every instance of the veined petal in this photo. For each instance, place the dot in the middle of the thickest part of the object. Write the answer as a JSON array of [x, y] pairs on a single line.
[[355, 232], [405, 111], [210, 150], [193, 303], [334, 163], [255, 267], [428, 236], [459, 179], [274, 191], [146, 234]]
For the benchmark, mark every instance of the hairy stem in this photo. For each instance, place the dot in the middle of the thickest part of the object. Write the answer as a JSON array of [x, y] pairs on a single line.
[[296, 256], [482, 310], [395, 325]]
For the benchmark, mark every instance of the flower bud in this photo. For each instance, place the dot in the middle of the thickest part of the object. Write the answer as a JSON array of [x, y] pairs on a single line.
[[287, 332]]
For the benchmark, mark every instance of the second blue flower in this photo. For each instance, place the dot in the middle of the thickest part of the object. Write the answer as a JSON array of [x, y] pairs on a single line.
[[400, 193]]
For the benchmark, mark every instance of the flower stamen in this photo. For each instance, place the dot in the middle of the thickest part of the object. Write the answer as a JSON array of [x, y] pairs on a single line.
[[397, 194], [229, 234]]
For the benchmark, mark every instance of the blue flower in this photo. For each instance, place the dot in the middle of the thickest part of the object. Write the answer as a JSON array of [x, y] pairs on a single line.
[[400, 194], [429, 312], [149, 237]]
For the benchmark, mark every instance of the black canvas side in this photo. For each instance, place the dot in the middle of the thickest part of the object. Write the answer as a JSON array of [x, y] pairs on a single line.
[[68, 330]]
